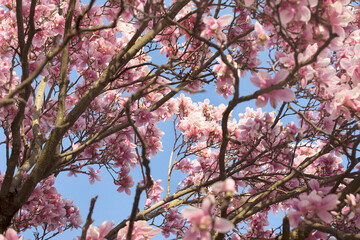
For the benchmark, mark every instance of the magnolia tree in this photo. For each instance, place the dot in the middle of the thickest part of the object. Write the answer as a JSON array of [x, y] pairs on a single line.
[[85, 84]]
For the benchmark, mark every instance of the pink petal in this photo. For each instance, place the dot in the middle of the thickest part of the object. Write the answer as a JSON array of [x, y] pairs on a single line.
[[260, 79], [329, 202], [127, 191], [224, 186], [105, 228], [294, 218], [98, 178], [357, 223], [218, 187], [345, 210], [230, 185], [220, 38], [208, 204], [192, 213], [204, 235], [224, 20], [274, 99], [223, 225], [313, 3], [286, 95], [286, 14], [207, 19], [214, 26], [258, 29], [264, 76], [305, 14], [248, 3], [261, 101], [325, 216], [189, 235], [147, 202], [357, 49], [314, 184], [314, 197], [346, 64], [91, 180], [280, 75], [235, 236], [256, 81], [351, 198], [11, 234]]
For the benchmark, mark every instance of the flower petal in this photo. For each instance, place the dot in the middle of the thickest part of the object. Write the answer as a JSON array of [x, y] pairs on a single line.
[[11, 234], [305, 14], [261, 101], [280, 75], [225, 20], [208, 204], [286, 14], [223, 225], [274, 99], [261, 79], [248, 3], [325, 216], [329, 202], [286, 95], [191, 213]]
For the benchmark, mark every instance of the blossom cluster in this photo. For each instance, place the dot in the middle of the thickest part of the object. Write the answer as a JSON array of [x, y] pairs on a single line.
[[202, 220], [318, 203], [46, 208]]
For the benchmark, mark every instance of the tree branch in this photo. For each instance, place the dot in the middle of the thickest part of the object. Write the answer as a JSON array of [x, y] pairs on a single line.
[[89, 220]]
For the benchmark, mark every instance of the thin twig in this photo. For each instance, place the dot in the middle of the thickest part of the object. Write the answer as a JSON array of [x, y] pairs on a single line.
[[89, 220]]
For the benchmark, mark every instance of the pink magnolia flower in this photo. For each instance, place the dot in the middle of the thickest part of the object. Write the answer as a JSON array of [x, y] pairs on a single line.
[[202, 221], [298, 11], [260, 33], [46, 205], [307, 205], [351, 199], [264, 80], [125, 182], [214, 26], [173, 222], [99, 233], [93, 175], [141, 231], [352, 65], [351, 211], [10, 234], [286, 13], [143, 117], [345, 101], [224, 83], [235, 236], [72, 172], [153, 193], [224, 186]]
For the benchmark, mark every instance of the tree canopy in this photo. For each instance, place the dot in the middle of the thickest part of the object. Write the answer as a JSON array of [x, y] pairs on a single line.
[[84, 86]]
